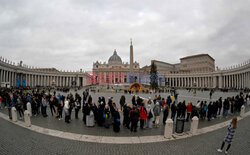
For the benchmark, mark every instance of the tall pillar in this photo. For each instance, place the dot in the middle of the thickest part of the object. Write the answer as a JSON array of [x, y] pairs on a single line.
[[15, 76], [237, 82], [183, 82], [60, 81], [13, 79], [3, 77], [10, 78], [230, 81], [1, 74], [241, 83], [31, 80]]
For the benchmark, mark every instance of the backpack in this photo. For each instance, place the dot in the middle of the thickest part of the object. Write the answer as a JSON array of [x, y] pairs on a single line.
[[150, 115], [205, 108]]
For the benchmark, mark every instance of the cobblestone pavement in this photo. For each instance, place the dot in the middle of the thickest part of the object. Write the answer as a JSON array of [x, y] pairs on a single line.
[[18, 140], [77, 126]]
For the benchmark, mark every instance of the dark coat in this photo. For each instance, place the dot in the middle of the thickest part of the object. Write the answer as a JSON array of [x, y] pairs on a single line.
[[116, 124]]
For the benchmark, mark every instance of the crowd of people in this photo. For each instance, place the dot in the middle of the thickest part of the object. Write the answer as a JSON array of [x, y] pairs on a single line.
[[106, 113]]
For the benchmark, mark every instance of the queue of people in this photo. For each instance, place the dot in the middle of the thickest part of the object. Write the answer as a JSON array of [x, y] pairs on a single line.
[[146, 112]]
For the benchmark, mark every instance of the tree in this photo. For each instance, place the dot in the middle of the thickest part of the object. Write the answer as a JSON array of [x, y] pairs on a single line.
[[153, 77]]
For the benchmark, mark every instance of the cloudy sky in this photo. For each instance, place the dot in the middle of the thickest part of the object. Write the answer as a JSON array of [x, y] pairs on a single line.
[[72, 34]]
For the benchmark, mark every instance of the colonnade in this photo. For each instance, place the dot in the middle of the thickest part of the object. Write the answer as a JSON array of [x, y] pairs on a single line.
[[48, 80], [8, 77], [14, 78], [20, 79], [190, 82], [236, 81]]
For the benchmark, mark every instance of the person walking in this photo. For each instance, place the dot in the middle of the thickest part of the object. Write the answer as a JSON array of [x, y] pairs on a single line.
[[106, 116], [51, 105], [219, 105], [77, 108], [134, 117], [157, 112], [189, 108], [150, 116], [44, 106], [183, 109], [126, 111], [1, 102], [229, 137], [173, 111], [209, 111], [117, 122], [165, 113], [143, 115], [60, 109], [66, 110], [225, 107], [19, 107], [122, 101]]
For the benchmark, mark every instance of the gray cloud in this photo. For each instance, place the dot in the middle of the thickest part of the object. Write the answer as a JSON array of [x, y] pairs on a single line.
[[73, 34]]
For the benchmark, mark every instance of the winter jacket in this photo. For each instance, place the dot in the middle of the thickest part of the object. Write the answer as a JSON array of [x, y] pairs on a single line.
[[142, 112], [157, 109]]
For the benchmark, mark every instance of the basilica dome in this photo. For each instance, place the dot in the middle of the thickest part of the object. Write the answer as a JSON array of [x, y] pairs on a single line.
[[115, 58]]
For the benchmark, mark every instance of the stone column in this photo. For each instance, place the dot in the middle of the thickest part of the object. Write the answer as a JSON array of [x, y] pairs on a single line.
[[237, 81], [15, 74], [27, 118], [14, 114], [194, 125], [241, 79], [247, 81], [4, 72], [57, 81], [244, 80], [42, 81], [1, 74], [220, 81], [38, 80], [242, 111], [182, 82], [27, 79], [6, 76], [11, 75], [232, 81], [214, 82], [168, 129], [224, 81], [64, 81], [60, 81], [30, 84]]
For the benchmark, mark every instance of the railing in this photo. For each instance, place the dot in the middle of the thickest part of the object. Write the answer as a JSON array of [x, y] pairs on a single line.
[[237, 66]]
